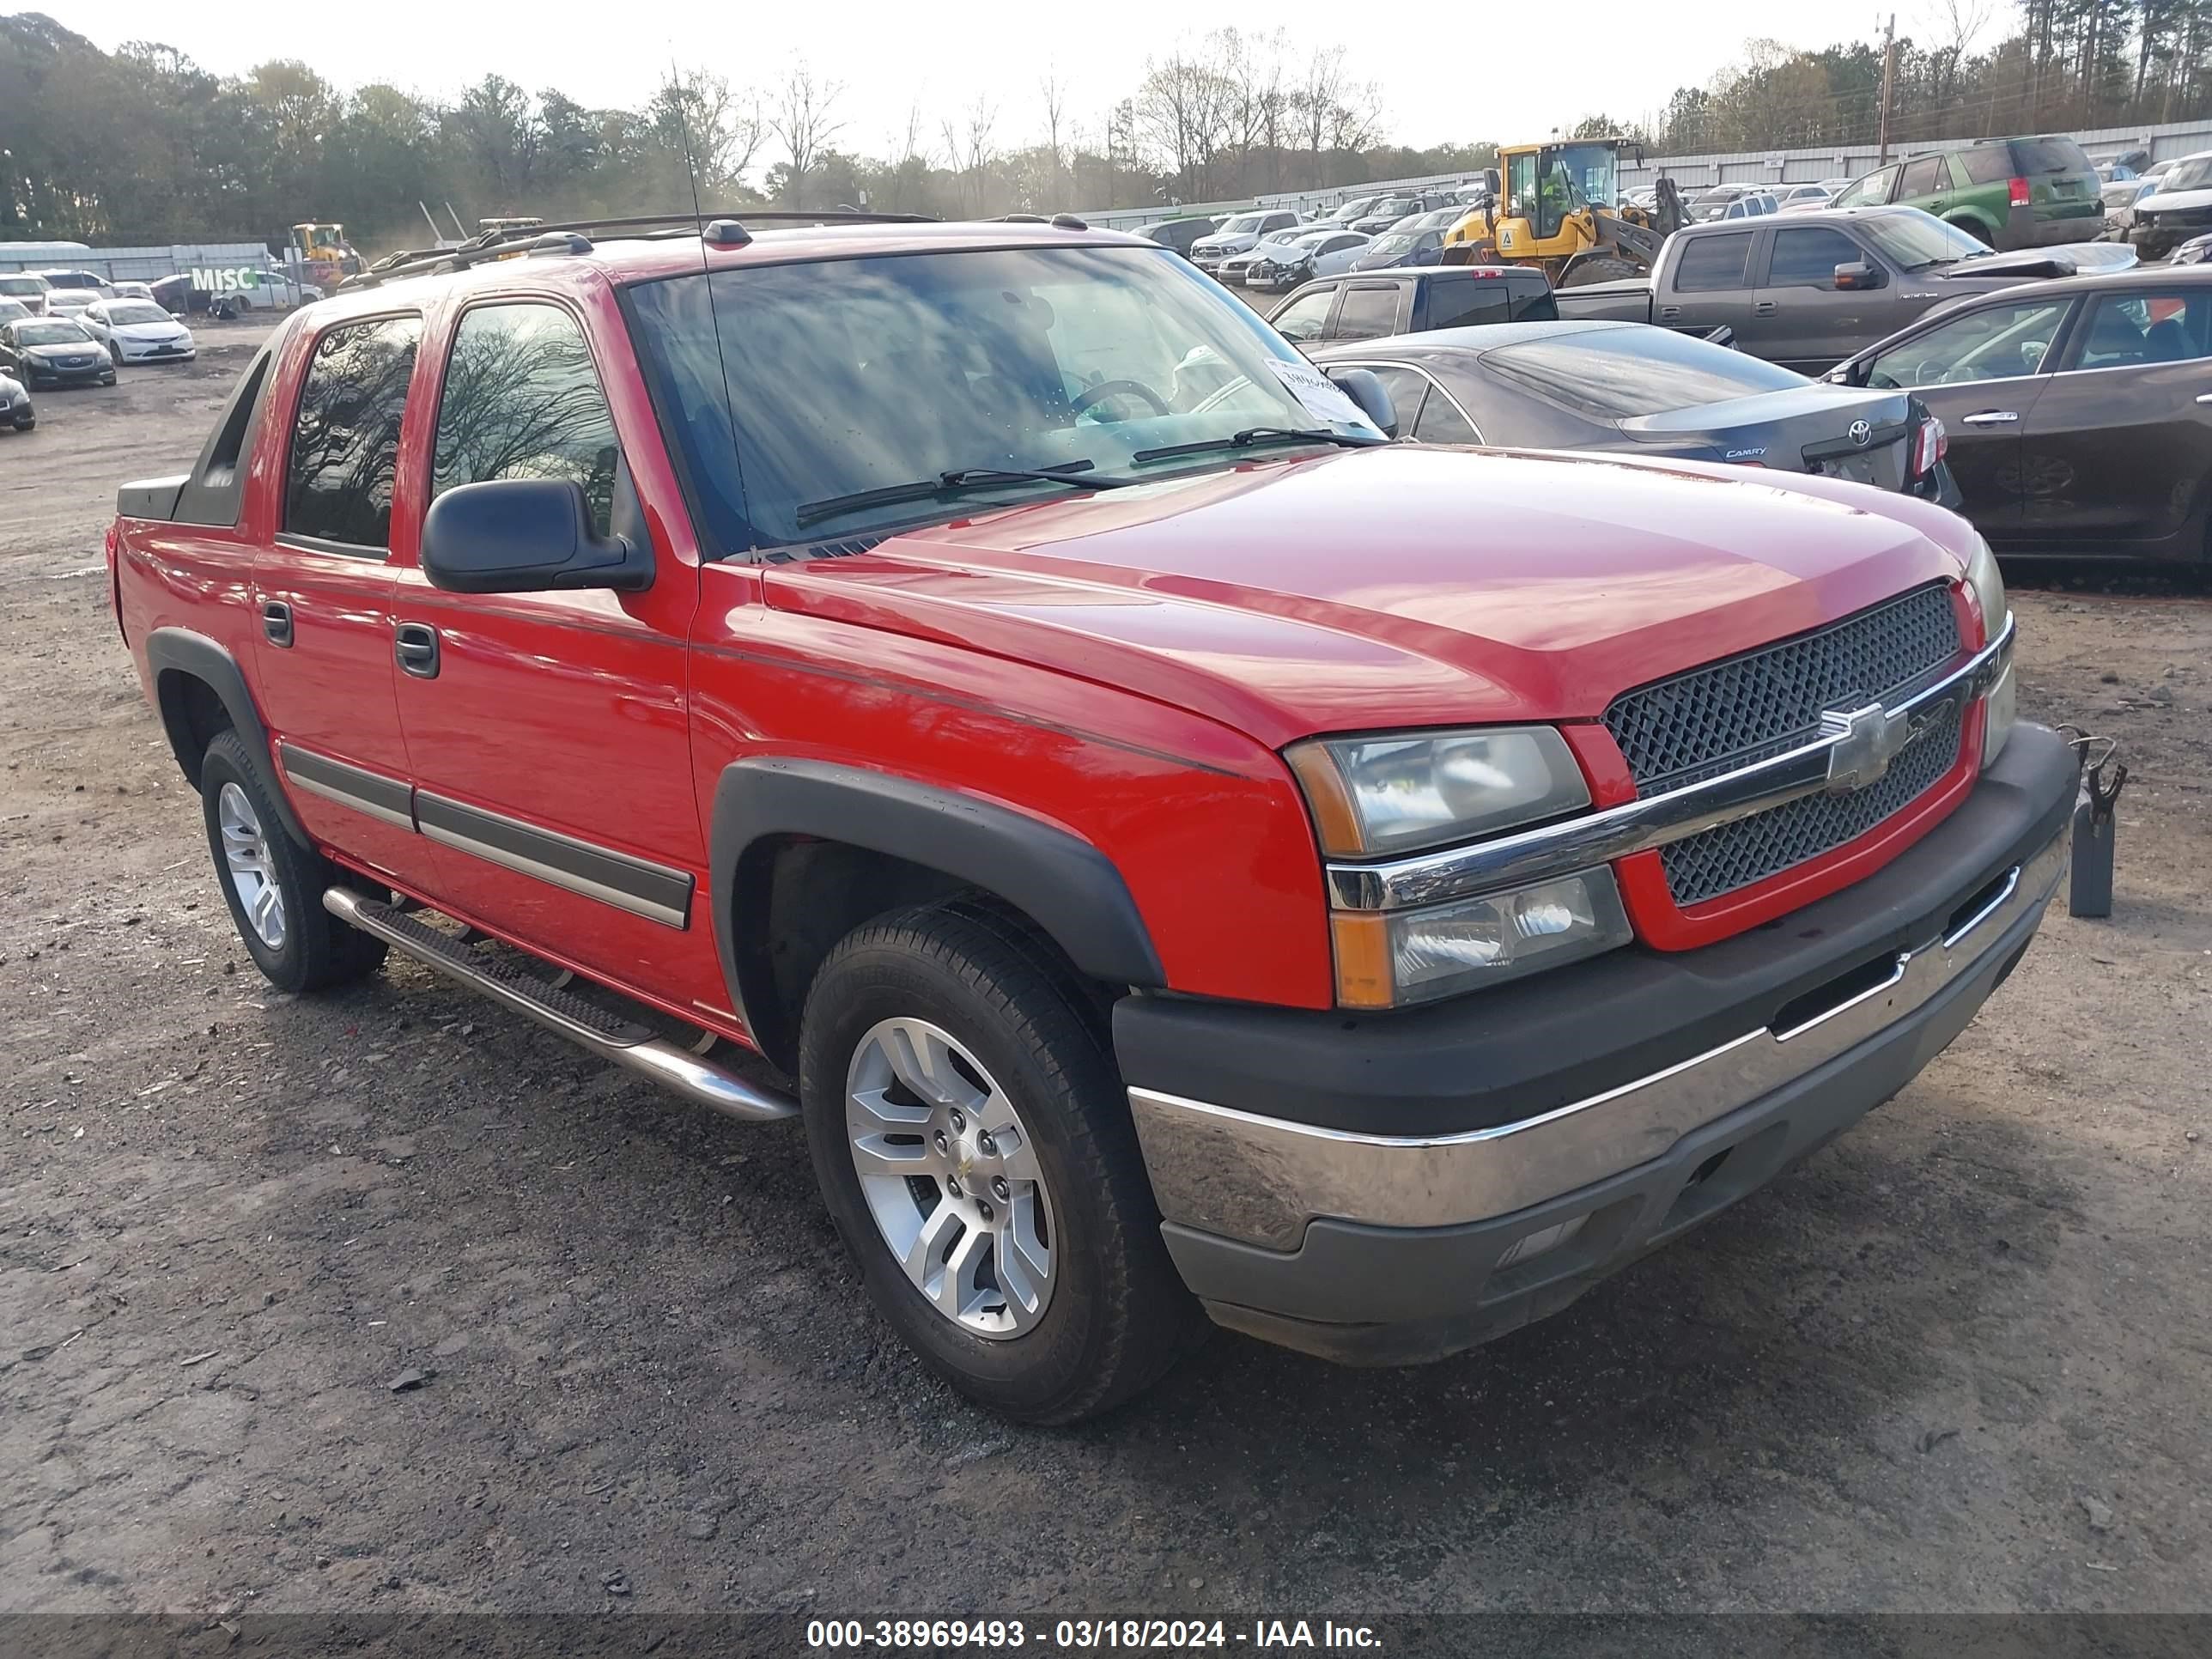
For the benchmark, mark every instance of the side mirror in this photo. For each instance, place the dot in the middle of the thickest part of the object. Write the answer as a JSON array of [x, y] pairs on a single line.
[[1364, 387], [525, 536], [1854, 277]]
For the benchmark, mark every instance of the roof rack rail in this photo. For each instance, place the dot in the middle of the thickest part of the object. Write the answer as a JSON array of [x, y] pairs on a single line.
[[498, 244]]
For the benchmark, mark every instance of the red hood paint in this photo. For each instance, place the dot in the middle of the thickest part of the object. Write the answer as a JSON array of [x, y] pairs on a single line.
[[1395, 586]]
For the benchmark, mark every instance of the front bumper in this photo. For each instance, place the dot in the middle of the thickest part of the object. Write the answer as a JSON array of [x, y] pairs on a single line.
[[158, 353], [35, 375], [1428, 1181]]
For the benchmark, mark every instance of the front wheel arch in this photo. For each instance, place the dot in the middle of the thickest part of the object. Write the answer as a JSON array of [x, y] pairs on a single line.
[[802, 851]]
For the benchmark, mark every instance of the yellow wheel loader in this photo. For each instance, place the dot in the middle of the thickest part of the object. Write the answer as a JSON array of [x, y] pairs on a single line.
[[1562, 210]]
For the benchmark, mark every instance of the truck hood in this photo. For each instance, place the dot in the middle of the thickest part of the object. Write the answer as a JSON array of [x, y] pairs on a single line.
[[1396, 585]]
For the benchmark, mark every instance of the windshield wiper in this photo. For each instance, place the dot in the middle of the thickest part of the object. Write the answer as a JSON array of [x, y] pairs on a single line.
[[959, 480], [1252, 437]]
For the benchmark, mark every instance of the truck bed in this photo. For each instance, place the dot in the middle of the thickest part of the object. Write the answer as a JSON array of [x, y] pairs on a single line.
[[1626, 301]]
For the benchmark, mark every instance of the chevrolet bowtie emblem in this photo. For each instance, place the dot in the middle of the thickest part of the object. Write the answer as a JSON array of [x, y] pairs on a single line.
[[1867, 740]]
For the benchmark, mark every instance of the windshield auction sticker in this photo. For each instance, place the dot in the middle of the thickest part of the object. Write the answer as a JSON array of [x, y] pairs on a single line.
[[1319, 394]]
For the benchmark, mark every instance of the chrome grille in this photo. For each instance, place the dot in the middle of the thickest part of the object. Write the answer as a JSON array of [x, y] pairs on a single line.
[[1719, 862], [1732, 713], [1748, 708]]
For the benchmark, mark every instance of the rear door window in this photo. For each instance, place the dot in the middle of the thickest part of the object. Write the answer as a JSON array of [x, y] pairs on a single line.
[[1713, 263], [345, 436], [2124, 330], [522, 400], [1368, 312], [1924, 176]]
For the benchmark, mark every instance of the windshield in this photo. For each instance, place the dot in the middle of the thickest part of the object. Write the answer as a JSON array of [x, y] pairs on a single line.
[[1388, 246], [22, 285], [125, 315], [1356, 209], [1244, 224], [1916, 241], [35, 334], [852, 375], [1589, 172], [1619, 374], [2194, 174]]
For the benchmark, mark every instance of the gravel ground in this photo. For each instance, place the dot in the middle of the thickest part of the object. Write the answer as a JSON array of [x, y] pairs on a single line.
[[1959, 1360]]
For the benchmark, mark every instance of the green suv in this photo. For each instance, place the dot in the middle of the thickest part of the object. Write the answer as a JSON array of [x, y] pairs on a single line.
[[2011, 193]]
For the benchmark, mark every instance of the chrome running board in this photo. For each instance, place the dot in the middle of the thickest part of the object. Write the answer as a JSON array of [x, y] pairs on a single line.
[[624, 1042]]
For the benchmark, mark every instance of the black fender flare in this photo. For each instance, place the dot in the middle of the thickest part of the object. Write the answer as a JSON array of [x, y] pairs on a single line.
[[181, 651], [1062, 883]]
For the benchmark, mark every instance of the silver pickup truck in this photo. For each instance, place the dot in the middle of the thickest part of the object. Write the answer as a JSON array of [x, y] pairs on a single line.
[[1808, 289]]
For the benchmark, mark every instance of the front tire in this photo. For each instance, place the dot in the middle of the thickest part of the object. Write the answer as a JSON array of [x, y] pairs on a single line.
[[973, 1144], [273, 885]]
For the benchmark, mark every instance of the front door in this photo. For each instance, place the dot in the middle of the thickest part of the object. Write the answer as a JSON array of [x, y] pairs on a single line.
[[1800, 318], [552, 759], [1982, 373], [323, 590], [2115, 454]]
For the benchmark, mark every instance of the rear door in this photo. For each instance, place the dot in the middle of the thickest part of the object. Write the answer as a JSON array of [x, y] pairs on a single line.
[[1711, 285], [1368, 311], [1805, 321], [1926, 184], [1982, 372], [2116, 452], [323, 590]]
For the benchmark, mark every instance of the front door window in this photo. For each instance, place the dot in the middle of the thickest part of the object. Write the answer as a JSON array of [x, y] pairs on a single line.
[[1996, 343]]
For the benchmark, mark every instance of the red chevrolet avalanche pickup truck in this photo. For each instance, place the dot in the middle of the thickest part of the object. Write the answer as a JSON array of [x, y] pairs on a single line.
[[977, 688]]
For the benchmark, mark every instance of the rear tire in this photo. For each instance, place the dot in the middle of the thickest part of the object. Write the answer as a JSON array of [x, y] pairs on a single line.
[[1605, 268], [273, 885], [1058, 1333]]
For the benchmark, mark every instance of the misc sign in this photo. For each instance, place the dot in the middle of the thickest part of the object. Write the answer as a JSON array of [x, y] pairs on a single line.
[[225, 279]]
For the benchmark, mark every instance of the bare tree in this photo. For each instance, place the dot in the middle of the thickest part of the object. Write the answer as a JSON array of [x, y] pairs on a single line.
[[719, 129], [968, 142], [805, 117], [1055, 95]]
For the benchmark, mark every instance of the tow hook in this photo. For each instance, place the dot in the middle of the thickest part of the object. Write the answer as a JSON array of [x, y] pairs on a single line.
[[2091, 891]]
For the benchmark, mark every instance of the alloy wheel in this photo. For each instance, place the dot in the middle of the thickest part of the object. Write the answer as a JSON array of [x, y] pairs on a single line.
[[951, 1177], [247, 866]]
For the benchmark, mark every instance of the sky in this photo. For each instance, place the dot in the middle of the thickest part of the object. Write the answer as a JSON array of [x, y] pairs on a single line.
[[1439, 65]]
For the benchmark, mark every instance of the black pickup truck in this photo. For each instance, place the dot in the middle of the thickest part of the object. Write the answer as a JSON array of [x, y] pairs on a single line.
[[1369, 305], [1808, 289]]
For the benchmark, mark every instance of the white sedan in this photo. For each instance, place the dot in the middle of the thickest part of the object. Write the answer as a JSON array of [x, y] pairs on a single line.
[[1296, 256], [138, 332]]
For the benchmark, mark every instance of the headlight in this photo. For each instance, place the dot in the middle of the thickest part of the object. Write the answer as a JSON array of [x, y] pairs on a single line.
[[1988, 583], [1392, 794], [1387, 959], [1998, 707]]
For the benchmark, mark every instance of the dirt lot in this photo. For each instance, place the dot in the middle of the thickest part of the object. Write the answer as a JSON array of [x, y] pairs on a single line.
[[1959, 1360]]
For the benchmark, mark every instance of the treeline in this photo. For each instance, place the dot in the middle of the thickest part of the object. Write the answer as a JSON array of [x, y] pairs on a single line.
[[2069, 65], [142, 146]]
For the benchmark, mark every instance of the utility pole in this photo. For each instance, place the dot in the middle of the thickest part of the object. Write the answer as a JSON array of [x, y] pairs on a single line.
[[1888, 73]]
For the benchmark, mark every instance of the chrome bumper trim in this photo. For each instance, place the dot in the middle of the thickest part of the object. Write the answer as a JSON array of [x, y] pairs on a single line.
[[1261, 1179], [1637, 826]]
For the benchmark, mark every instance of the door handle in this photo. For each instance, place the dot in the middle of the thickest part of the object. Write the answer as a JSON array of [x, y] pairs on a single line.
[[2204, 397], [414, 645], [1668, 313], [1763, 308], [276, 622], [1991, 418]]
